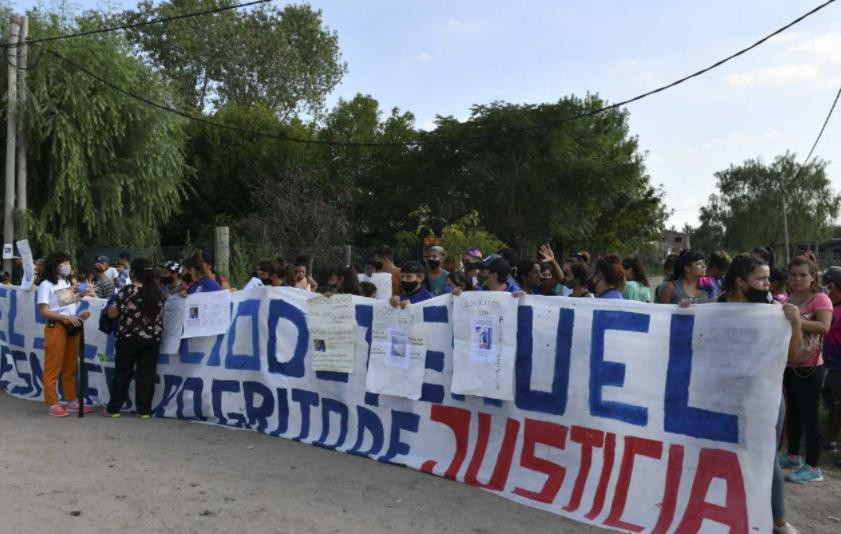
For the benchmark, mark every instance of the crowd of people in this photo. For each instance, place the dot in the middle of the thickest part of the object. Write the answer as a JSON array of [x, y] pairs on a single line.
[[809, 300]]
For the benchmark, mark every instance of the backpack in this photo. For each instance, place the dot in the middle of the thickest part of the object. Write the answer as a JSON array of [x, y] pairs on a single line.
[[106, 325]]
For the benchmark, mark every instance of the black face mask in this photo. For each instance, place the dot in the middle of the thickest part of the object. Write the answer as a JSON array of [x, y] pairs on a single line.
[[433, 264], [409, 287], [758, 296], [378, 265]]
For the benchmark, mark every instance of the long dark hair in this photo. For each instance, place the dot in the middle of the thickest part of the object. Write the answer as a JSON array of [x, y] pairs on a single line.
[[635, 265], [150, 294], [350, 280], [51, 263], [741, 267], [685, 259]]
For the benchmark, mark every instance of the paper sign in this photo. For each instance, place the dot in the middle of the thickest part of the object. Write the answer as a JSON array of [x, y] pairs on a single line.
[[331, 322], [398, 351], [382, 281], [173, 324], [207, 314], [485, 328], [8, 251], [28, 264]]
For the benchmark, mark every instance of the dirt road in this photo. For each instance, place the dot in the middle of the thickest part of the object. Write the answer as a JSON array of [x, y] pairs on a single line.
[[99, 475]]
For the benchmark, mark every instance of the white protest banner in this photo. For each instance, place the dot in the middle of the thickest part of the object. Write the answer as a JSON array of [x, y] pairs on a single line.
[[207, 314], [485, 328], [398, 352], [331, 326], [28, 264], [629, 416], [382, 281], [174, 312]]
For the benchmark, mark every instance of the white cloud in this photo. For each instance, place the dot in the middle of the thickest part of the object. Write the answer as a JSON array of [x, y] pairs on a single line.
[[784, 74], [464, 26], [425, 57], [771, 134], [823, 49]]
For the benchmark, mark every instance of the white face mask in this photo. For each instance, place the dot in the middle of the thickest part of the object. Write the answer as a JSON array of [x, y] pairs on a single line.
[[64, 270]]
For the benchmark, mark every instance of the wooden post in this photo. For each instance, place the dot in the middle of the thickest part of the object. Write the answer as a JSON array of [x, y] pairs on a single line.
[[222, 251], [21, 132], [348, 255]]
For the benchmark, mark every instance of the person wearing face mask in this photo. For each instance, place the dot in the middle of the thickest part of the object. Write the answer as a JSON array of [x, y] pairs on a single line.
[[470, 263], [57, 303], [748, 280], [413, 290], [803, 377], [458, 281], [437, 280], [608, 278], [170, 281], [383, 262]]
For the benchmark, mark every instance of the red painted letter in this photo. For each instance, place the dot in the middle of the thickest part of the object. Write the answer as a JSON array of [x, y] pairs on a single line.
[[716, 463], [633, 446], [588, 438], [673, 476], [459, 421], [549, 434], [607, 467], [503, 459]]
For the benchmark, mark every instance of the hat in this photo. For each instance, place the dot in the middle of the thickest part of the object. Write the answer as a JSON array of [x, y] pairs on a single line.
[[832, 275], [438, 249], [172, 266], [412, 267], [474, 252], [497, 264], [102, 259]]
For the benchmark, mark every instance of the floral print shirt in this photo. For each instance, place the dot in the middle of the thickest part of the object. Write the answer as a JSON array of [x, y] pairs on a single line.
[[132, 323]]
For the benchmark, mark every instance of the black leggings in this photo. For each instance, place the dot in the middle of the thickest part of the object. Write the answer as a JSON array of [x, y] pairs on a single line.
[[803, 390], [144, 354]]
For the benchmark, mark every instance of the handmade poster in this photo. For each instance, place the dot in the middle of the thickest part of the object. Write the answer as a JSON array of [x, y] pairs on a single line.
[[173, 324], [382, 281], [398, 352], [485, 328], [331, 321], [28, 264], [207, 314]]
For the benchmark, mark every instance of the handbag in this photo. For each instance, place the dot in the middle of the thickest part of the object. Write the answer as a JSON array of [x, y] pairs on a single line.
[[811, 345]]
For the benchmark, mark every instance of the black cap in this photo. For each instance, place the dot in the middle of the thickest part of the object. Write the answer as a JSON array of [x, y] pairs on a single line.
[[498, 266]]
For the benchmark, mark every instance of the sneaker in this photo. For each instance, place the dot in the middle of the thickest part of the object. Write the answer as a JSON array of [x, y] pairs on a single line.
[[144, 416], [73, 406], [790, 460], [806, 474], [57, 410], [786, 529], [106, 413]]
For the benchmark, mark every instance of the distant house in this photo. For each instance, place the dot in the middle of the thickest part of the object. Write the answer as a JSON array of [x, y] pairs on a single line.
[[828, 252], [672, 242]]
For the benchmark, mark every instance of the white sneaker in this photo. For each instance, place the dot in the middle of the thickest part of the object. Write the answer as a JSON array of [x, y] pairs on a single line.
[[786, 529]]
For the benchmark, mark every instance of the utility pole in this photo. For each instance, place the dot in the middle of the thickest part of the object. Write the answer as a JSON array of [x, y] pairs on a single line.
[[11, 133], [21, 127], [785, 215]]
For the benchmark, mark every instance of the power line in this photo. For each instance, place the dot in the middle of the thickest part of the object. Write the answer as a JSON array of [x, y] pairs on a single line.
[[540, 126], [820, 134], [159, 20]]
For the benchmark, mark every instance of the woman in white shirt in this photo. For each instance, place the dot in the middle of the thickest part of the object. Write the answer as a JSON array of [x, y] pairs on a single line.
[[57, 302]]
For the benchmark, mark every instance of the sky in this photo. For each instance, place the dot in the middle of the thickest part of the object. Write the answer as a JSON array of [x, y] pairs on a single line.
[[440, 57]]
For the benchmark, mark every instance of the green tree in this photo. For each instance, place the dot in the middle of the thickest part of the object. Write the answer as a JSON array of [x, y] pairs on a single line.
[[747, 210], [103, 168], [283, 58]]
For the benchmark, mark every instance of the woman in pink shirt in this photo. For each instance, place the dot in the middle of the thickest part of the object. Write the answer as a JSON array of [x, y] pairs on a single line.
[[804, 373]]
